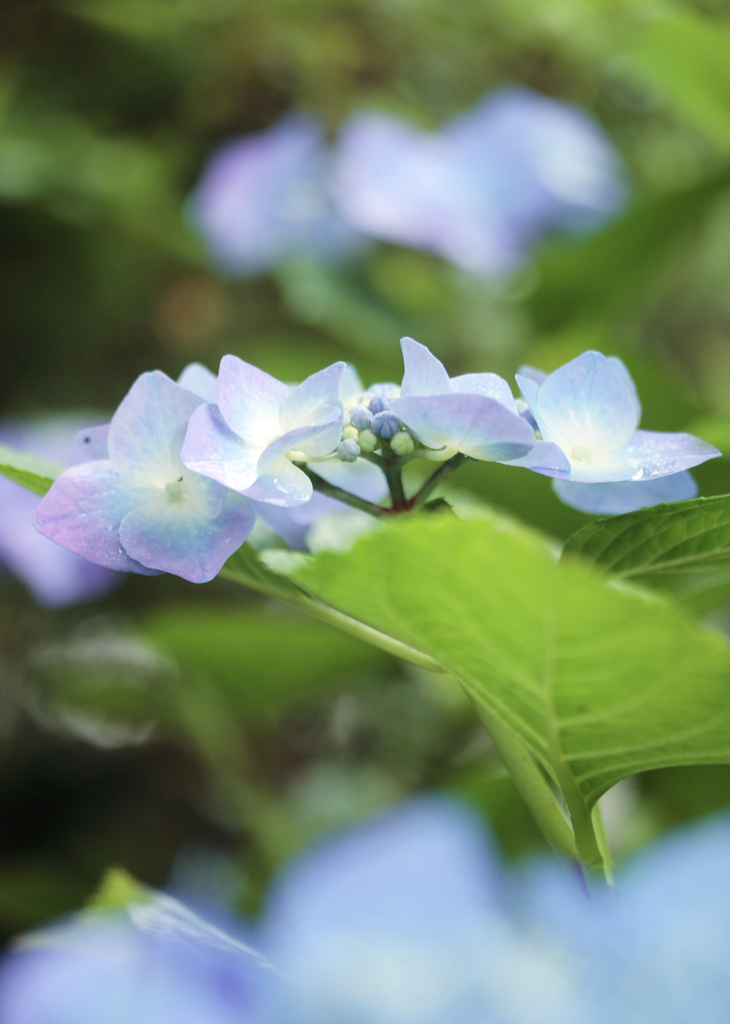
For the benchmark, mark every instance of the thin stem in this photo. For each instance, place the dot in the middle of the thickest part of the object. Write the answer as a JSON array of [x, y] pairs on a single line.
[[445, 470], [333, 491], [391, 465]]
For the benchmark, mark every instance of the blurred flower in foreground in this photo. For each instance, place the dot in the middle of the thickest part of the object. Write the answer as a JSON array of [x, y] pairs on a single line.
[[265, 198], [156, 963], [54, 576], [481, 190], [408, 920]]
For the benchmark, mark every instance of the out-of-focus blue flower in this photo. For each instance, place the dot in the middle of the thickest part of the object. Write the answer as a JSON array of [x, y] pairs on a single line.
[[265, 198], [589, 409], [250, 440], [481, 190], [54, 576], [140, 510], [473, 413], [157, 963]]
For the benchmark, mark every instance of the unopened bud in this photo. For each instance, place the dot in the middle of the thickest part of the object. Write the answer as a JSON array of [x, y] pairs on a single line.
[[368, 441], [402, 443], [385, 424], [348, 450], [350, 432]]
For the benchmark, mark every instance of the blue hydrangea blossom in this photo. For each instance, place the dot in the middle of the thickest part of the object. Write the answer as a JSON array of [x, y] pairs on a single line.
[[589, 409], [482, 189], [265, 198], [140, 510], [474, 413], [251, 440]]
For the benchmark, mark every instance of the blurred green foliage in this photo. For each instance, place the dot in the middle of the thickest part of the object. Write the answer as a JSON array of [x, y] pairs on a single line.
[[244, 730]]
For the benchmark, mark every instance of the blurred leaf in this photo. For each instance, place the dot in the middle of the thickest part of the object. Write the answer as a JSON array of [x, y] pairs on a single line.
[[715, 429], [685, 56], [261, 655], [30, 472], [607, 273], [681, 537], [598, 682]]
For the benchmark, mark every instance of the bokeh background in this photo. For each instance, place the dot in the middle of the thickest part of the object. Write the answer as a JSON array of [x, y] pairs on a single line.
[[201, 734]]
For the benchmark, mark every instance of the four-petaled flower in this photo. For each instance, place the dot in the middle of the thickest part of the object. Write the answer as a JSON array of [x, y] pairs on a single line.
[[140, 510], [251, 439], [589, 409]]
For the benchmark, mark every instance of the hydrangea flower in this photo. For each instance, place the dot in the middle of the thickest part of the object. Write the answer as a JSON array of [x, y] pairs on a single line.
[[54, 576], [474, 413], [251, 439], [484, 187], [265, 198], [140, 510], [157, 963], [589, 409]]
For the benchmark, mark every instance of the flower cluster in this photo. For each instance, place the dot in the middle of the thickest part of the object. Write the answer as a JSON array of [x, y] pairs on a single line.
[[184, 468], [409, 919], [479, 191]]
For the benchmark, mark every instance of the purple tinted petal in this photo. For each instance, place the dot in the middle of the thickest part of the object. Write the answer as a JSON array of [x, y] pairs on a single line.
[[351, 387], [212, 449], [147, 430], [477, 426], [249, 401], [313, 442], [424, 373], [587, 405], [529, 382], [629, 496], [201, 381], [266, 197], [83, 512], [178, 537], [361, 478], [281, 483], [314, 401]]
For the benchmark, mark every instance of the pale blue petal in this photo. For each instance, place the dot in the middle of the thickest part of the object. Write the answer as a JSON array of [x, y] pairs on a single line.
[[545, 458], [361, 478], [655, 453], [83, 512], [489, 384], [212, 449], [628, 496], [351, 387], [311, 442], [148, 429], [281, 483], [314, 400], [620, 367], [201, 381], [179, 538], [424, 373], [249, 401], [587, 404], [477, 426]]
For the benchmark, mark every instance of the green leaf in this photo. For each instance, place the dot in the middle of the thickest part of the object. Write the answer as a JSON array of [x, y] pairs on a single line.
[[682, 537], [606, 273], [30, 472], [685, 57], [598, 682], [119, 889]]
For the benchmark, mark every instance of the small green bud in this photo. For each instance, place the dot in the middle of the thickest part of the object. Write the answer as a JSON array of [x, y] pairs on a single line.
[[350, 432], [368, 441], [402, 443]]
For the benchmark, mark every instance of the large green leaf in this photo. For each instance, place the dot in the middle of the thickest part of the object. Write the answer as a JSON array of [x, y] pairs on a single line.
[[30, 472], [685, 57], [686, 536], [598, 681]]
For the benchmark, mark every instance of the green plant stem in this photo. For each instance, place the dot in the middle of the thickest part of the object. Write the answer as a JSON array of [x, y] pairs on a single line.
[[442, 473], [333, 491], [392, 467], [530, 782]]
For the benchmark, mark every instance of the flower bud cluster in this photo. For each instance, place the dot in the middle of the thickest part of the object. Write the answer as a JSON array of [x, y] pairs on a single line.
[[183, 469]]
